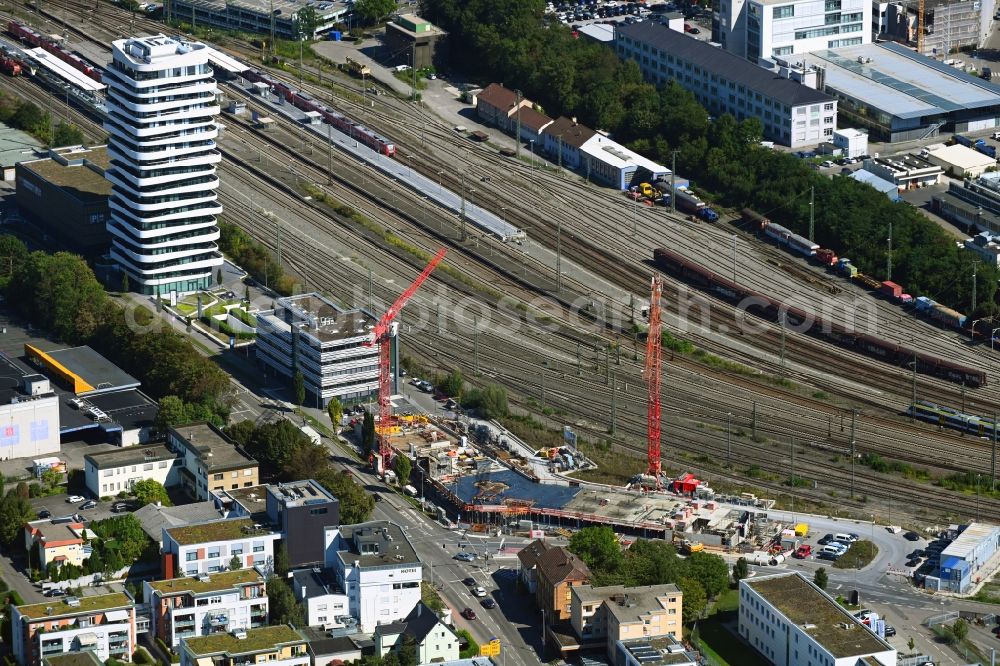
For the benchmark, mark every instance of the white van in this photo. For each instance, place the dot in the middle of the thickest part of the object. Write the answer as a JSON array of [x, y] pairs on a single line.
[[844, 538], [831, 550]]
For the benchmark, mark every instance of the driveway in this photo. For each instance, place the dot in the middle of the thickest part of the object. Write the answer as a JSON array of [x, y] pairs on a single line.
[[368, 52]]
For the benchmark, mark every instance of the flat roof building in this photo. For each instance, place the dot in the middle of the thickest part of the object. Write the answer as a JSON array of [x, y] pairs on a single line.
[[255, 15], [414, 41], [209, 547], [16, 146], [326, 343], [899, 95], [772, 28], [611, 163], [906, 172], [961, 161], [210, 461], [279, 645], [111, 472], [664, 651], [30, 412], [971, 558], [791, 622], [103, 623], [325, 603], [66, 194], [949, 25], [790, 113], [617, 613]]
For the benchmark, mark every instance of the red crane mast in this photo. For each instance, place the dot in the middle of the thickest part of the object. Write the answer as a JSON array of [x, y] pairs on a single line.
[[654, 345], [380, 336]]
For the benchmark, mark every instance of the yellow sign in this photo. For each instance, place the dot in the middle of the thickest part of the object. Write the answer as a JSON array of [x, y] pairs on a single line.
[[491, 649]]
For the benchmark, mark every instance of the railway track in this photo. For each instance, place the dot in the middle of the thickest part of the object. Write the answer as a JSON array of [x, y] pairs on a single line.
[[525, 380]]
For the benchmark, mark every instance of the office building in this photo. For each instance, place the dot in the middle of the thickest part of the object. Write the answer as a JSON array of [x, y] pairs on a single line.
[[210, 461], [852, 142], [330, 346], [376, 565], [103, 623], [906, 172], [790, 113], [414, 41], [259, 16], [161, 107], [949, 25], [787, 29], [212, 546], [204, 605], [280, 645], [66, 195], [57, 542], [970, 559], [791, 622], [29, 410], [899, 95]]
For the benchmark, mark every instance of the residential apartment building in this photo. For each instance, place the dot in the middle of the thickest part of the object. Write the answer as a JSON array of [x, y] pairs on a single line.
[[111, 472], [161, 143], [210, 460], [435, 641], [376, 565], [103, 623], [783, 28], [300, 510], [57, 542], [280, 645], [87, 658], [618, 613], [791, 622], [527, 560], [202, 605], [324, 602], [209, 547], [791, 114], [558, 572], [329, 345]]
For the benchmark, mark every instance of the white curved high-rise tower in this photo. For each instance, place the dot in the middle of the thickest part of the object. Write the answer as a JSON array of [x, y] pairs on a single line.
[[161, 109]]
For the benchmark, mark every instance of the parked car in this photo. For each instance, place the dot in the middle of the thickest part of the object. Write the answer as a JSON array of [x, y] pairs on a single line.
[[911, 536], [479, 591], [826, 539], [426, 386], [804, 551], [73, 499], [470, 581], [822, 555], [89, 504], [54, 592], [695, 31], [890, 631], [119, 507], [44, 513], [489, 604], [912, 563], [469, 614]]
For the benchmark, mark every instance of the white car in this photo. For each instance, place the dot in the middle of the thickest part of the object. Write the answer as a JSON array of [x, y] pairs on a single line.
[[478, 591], [73, 499]]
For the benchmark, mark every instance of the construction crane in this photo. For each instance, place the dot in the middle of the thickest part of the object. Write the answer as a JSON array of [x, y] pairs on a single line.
[[920, 27], [380, 336], [654, 345]]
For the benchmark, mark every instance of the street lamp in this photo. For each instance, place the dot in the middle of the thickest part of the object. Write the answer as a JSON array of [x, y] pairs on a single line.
[[532, 144], [439, 180]]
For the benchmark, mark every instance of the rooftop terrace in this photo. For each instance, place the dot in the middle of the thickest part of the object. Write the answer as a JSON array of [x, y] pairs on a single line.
[[257, 640], [61, 607], [216, 530], [225, 580]]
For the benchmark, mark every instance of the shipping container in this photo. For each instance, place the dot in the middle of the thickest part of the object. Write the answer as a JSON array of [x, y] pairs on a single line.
[[891, 289], [802, 529]]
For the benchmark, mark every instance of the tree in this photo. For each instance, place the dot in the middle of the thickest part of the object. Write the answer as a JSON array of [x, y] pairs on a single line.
[[403, 468], [67, 134], [910, 644], [491, 401], [741, 570], [94, 563], [356, 505], [172, 412], [113, 561], [407, 651], [960, 629], [150, 491], [694, 600], [598, 548], [59, 293], [51, 478], [281, 561], [308, 20], [373, 11], [234, 563], [709, 570], [821, 578], [299, 385], [22, 490], [271, 444], [336, 412], [304, 461], [218, 276], [367, 434], [283, 607], [125, 284], [13, 253], [452, 383], [15, 511]]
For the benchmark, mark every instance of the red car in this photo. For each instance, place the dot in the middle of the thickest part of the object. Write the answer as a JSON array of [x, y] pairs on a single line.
[[804, 551], [469, 614]]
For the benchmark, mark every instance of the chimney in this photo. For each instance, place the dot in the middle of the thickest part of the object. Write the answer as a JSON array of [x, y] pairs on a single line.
[[302, 593]]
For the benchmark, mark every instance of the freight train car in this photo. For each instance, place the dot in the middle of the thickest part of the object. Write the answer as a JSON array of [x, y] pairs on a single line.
[[833, 331], [305, 102], [29, 36]]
